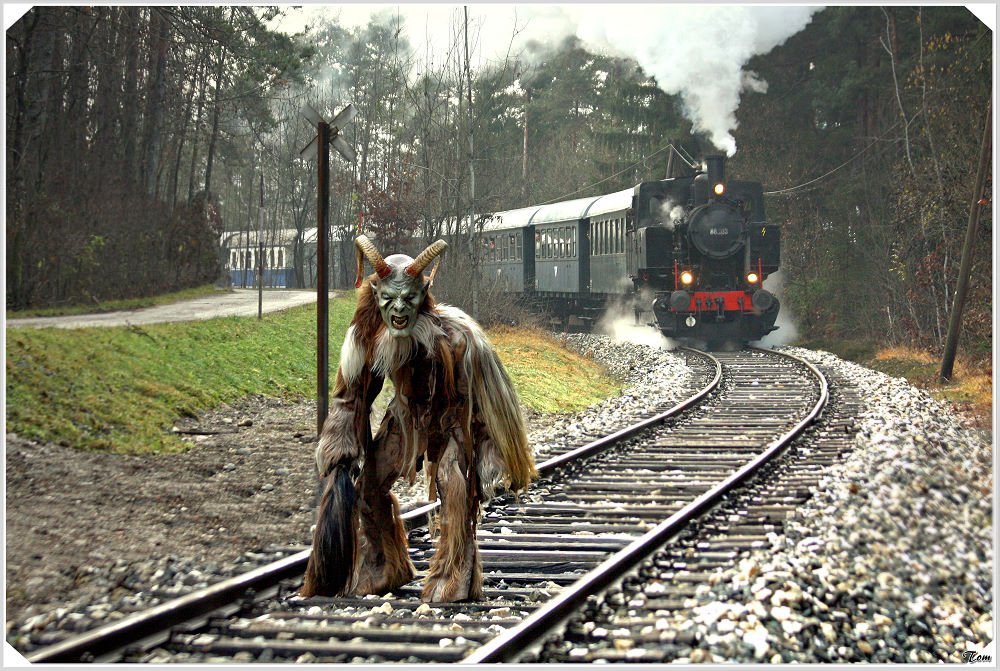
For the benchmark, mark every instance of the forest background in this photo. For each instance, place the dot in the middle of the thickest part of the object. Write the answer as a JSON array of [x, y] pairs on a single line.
[[135, 136]]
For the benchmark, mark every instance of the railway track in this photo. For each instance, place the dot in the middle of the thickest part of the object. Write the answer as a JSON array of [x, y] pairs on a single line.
[[599, 510]]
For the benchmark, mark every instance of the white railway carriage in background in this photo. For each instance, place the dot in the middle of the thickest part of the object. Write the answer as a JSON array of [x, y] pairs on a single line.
[[240, 255]]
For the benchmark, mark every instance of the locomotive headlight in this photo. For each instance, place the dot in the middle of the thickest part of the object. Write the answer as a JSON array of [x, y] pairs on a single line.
[[719, 189], [687, 277], [690, 321], [752, 278]]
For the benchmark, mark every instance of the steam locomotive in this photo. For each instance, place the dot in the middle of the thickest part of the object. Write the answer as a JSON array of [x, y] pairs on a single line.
[[691, 251]]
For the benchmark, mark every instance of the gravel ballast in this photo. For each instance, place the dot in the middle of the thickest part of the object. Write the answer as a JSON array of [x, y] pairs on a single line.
[[897, 547]]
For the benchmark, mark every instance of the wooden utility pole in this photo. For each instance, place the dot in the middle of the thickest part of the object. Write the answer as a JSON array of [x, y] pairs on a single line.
[[327, 134], [472, 178], [955, 323], [260, 251], [524, 151], [322, 274]]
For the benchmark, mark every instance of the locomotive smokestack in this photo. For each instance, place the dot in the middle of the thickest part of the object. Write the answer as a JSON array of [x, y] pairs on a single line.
[[716, 165]]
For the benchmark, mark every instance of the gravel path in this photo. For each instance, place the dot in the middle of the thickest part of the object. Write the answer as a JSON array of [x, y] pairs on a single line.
[[892, 561], [234, 303]]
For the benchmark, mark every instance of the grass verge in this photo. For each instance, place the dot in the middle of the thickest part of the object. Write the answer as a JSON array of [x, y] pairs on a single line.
[[121, 389], [970, 391], [548, 377]]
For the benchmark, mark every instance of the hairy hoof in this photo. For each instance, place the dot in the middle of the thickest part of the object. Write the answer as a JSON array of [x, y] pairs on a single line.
[[371, 581], [463, 584], [443, 590]]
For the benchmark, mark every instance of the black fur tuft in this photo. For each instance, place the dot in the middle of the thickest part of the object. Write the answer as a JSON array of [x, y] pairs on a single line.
[[332, 559]]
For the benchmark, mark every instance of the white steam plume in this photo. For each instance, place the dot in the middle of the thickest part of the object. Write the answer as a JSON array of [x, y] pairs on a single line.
[[787, 332], [618, 322], [671, 214], [695, 51]]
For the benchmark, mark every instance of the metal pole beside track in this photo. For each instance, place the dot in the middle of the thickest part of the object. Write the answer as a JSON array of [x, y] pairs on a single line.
[[322, 275]]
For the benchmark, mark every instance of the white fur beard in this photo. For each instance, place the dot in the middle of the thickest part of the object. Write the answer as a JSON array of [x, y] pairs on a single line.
[[392, 352]]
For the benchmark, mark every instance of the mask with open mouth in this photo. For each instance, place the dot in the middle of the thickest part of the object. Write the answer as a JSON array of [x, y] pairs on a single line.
[[400, 286]]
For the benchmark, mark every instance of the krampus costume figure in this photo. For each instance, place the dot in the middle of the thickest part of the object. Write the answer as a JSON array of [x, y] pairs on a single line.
[[454, 407]]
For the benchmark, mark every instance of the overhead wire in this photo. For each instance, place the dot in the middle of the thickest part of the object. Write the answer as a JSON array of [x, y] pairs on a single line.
[[792, 189], [623, 171]]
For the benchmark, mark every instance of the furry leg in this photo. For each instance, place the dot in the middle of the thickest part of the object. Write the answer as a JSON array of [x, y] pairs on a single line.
[[382, 563], [455, 572], [333, 549]]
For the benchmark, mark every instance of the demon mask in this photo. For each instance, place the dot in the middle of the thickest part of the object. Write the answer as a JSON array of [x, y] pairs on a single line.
[[400, 286]]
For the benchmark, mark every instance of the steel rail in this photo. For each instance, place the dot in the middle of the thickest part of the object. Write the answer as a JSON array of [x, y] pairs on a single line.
[[519, 638], [152, 626], [600, 444]]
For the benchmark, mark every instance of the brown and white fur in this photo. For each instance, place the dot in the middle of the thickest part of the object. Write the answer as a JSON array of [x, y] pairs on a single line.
[[456, 407]]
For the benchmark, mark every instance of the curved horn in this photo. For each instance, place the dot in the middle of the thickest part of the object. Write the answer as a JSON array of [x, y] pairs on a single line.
[[368, 249], [425, 257]]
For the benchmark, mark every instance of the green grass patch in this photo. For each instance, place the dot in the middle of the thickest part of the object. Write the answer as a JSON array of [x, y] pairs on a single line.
[[117, 305], [548, 377], [121, 389]]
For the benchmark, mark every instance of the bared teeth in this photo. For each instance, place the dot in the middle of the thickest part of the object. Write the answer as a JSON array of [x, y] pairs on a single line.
[[399, 322]]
